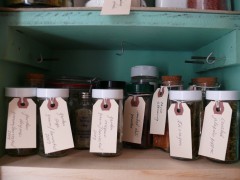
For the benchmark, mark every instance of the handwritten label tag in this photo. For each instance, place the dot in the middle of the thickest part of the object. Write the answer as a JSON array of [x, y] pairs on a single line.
[[133, 118], [159, 111], [215, 131], [104, 127], [57, 134], [180, 130], [116, 7], [21, 124]]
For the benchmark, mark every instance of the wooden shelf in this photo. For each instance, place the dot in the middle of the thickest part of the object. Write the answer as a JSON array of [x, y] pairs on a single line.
[[132, 164]]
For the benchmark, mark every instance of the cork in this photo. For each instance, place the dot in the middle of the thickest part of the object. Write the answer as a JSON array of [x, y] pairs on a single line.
[[207, 81]]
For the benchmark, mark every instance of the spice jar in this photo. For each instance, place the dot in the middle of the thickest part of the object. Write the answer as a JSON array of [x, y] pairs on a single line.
[[184, 123], [83, 118], [171, 3], [21, 121], [145, 75], [171, 83], [35, 80], [220, 135], [210, 4], [53, 113], [35, 3], [106, 128], [137, 114]]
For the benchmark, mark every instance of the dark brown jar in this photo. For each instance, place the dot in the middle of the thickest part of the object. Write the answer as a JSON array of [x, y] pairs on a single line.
[[172, 83]]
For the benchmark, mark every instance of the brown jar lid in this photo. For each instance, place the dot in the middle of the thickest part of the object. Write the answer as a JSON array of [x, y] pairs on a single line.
[[172, 78], [35, 76], [207, 81]]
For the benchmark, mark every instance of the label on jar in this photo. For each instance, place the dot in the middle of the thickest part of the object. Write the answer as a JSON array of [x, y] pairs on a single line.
[[21, 124], [116, 7], [215, 131], [179, 119], [56, 130], [104, 130], [159, 111], [133, 118]]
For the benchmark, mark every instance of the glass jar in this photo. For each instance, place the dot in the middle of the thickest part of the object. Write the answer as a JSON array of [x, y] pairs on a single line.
[[145, 74], [21, 94], [35, 3], [146, 92], [83, 118], [210, 4], [35, 80], [42, 95], [193, 100], [172, 83], [106, 95], [171, 3], [233, 99]]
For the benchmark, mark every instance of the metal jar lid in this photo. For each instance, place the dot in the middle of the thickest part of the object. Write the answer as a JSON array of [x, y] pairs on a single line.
[[111, 85], [185, 95], [223, 95], [52, 92], [20, 92], [144, 71]]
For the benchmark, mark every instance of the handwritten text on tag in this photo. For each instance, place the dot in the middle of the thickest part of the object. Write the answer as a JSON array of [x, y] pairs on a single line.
[[116, 7]]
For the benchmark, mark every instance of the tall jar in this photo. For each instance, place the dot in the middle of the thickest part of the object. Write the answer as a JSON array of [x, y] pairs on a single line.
[[184, 122], [83, 118], [172, 83], [135, 92], [233, 99], [107, 122], [24, 97], [49, 94], [210, 4], [145, 75]]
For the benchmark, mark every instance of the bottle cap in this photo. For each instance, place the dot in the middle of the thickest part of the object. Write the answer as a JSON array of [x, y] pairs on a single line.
[[107, 93], [144, 71], [185, 95], [223, 95], [20, 92], [52, 92]]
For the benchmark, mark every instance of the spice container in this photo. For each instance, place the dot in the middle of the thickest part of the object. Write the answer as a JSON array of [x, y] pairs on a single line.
[[35, 80], [21, 124], [35, 3], [184, 123], [171, 3], [172, 83], [99, 3], [107, 116], [145, 75], [83, 118], [53, 114], [222, 115], [137, 114], [210, 4]]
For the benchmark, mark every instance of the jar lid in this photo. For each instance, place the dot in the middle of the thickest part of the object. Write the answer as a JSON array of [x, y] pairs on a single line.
[[35, 76], [223, 95], [144, 71], [206, 81], [107, 93], [52, 92], [185, 95], [20, 92], [139, 88], [172, 78], [111, 84]]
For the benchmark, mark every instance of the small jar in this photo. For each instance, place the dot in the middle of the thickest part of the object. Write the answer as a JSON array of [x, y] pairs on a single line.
[[145, 75], [83, 118], [210, 4], [117, 96], [21, 93], [233, 99], [35, 3], [171, 3], [42, 95], [193, 100], [172, 83], [146, 92], [35, 80]]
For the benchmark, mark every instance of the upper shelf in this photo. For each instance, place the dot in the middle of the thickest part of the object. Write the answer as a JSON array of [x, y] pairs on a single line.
[[144, 28]]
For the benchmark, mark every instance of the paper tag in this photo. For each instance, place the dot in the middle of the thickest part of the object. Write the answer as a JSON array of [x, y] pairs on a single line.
[[159, 111], [215, 131], [179, 119], [21, 124], [56, 130], [134, 109], [116, 7], [104, 127]]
